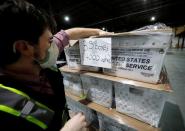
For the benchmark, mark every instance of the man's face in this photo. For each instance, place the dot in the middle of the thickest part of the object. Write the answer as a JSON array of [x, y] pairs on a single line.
[[44, 44]]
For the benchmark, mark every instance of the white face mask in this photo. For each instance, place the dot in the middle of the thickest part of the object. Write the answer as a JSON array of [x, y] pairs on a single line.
[[51, 57]]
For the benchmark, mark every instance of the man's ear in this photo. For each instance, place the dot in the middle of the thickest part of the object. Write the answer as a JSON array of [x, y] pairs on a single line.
[[23, 48]]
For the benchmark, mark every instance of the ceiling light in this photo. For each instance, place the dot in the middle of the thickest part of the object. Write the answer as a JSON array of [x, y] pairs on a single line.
[[66, 18], [103, 28], [152, 18]]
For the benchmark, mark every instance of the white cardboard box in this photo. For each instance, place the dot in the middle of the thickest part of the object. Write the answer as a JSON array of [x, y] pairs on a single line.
[[139, 55], [108, 124], [141, 103], [76, 107], [98, 90], [73, 58], [73, 84]]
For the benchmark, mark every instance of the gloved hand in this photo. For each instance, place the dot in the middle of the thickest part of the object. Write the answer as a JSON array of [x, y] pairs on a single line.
[[76, 123]]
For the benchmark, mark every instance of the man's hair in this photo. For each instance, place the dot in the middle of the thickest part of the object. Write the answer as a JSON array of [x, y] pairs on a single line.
[[19, 20]]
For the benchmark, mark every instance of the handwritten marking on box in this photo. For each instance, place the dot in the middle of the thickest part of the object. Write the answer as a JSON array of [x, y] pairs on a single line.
[[96, 52]]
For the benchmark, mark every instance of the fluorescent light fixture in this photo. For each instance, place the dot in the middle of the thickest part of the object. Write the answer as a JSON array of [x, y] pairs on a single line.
[[66, 18]]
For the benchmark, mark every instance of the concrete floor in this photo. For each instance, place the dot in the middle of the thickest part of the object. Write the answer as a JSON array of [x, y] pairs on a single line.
[[174, 112]]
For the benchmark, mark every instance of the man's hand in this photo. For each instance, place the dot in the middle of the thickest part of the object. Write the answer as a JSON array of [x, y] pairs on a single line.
[[103, 33], [77, 123]]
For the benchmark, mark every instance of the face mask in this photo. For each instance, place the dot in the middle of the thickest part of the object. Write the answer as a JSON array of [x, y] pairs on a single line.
[[51, 57]]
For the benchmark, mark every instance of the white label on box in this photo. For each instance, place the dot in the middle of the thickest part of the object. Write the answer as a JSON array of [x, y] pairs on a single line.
[[96, 52], [139, 64], [139, 59]]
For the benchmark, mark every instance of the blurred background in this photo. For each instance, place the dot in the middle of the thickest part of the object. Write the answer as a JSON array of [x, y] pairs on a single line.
[[113, 15]]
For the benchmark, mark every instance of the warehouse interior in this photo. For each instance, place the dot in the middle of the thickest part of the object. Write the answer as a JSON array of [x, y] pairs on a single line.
[[132, 97], [123, 16]]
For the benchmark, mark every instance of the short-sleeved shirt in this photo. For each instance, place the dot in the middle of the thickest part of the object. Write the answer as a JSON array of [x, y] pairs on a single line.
[[61, 39]]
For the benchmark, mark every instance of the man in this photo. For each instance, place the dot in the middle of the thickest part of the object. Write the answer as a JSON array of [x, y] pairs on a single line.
[[31, 87]]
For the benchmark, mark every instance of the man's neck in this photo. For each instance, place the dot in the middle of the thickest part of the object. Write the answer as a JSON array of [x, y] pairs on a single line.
[[24, 67]]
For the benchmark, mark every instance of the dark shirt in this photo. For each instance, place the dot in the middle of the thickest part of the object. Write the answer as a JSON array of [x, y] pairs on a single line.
[[47, 88]]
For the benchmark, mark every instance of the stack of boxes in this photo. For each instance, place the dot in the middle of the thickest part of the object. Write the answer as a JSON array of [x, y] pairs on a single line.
[[137, 56]]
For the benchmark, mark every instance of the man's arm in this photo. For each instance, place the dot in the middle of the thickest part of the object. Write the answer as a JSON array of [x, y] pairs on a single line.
[[77, 33], [62, 37]]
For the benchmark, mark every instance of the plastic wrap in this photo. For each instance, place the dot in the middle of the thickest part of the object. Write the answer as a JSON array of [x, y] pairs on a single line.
[[98, 90], [156, 26]]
